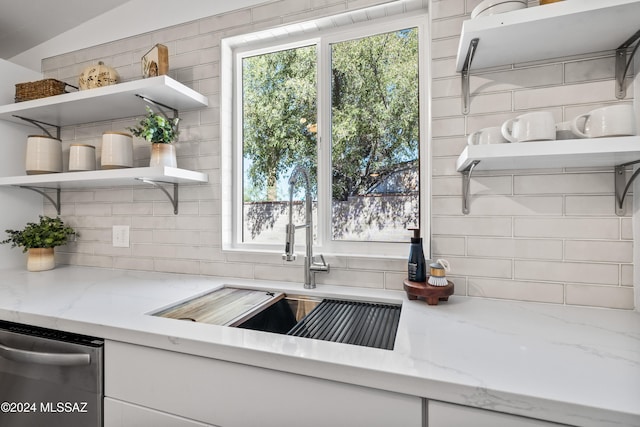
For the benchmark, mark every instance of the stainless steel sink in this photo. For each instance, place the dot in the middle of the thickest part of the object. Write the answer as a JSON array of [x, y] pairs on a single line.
[[350, 322]]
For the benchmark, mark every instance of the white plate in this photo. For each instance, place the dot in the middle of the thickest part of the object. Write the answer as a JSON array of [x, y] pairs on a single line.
[[493, 7]]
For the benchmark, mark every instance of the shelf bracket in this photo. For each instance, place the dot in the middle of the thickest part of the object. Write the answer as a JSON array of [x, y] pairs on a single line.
[[55, 203], [466, 184], [173, 199], [158, 104], [622, 185], [466, 69], [39, 124], [622, 65]]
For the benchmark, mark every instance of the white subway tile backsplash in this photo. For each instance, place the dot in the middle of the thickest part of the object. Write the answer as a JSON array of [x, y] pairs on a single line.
[[518, 290], [483, 267], [600, 296], [377, 264], [590, 205], [580, 93], [575, 272], [448, 147], [502, 80], [599, 251], [591, 183], [447, 8], [441, 28], [471, 226], [590, 69], [445, 87], [443, 48], [515, 248], [546, 235], [570, 228], [441, 245], [515, 205]]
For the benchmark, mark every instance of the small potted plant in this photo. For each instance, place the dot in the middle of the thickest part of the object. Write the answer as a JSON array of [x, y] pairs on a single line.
[[39, 240], [161, 132]]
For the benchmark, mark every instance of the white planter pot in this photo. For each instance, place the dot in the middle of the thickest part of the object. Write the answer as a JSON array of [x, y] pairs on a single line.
[[163, 155], [40, 259]]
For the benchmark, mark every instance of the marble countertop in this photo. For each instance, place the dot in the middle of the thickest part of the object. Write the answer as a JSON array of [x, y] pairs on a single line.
[[573, 365]]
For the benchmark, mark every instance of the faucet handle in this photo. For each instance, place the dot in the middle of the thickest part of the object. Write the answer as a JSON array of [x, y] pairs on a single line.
[[319, 266]]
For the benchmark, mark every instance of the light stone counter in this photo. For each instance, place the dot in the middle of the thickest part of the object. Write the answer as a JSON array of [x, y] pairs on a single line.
[[572, 365]]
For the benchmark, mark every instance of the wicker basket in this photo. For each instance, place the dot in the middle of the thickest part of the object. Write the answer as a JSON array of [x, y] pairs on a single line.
[[40, 89]]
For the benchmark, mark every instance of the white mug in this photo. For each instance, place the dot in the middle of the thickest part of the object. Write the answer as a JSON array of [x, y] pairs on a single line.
[[492, 135], [536, 126], [614, 120]]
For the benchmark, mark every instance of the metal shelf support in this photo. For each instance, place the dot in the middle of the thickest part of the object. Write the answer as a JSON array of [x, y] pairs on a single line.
[[158, 104], [173, 199], [39, 124], [622, 65], [466, 184], [466, 69], [55, 203], [622, 185]]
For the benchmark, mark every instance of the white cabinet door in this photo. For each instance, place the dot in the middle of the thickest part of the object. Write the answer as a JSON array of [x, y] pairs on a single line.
[[233, 395], [122, 414], [449, 415]]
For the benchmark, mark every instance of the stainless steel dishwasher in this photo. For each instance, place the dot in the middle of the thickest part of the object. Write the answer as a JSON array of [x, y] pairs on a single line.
[[49, 378]]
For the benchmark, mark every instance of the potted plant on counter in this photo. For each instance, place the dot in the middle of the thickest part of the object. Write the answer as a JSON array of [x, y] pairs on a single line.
[[161, 132], [39, 240]]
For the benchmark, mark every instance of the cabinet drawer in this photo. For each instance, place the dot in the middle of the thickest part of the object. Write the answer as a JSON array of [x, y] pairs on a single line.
[[449, 415], [229, 394], [122, 414]]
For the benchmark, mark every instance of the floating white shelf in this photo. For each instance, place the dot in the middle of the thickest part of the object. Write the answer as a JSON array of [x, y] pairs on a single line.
[[550, 31], [106, 178], [551, 154], [156, 176], [616, 152], [105, 103], [554, 30]]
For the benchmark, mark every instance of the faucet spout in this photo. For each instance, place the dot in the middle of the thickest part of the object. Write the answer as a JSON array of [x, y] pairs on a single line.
[[311, 266]]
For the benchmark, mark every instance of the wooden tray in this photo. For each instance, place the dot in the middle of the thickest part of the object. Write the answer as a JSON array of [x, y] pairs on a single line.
[[431, 294]]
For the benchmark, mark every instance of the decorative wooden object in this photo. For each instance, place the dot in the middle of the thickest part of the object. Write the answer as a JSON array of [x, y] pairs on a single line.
[[431, 294], [156, 61]]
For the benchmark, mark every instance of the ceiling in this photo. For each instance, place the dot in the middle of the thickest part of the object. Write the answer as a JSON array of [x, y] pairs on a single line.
[[27, 23]]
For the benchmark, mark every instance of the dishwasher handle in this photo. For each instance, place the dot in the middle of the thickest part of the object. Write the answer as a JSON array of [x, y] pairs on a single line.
[[57, 359]]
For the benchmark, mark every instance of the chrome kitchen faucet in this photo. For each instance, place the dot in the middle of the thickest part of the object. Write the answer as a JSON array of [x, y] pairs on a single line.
[[311, 265]]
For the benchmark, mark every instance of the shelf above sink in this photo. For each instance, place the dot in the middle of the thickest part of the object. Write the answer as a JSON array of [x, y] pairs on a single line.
[[615, 152], [551, 31], [551, 154]]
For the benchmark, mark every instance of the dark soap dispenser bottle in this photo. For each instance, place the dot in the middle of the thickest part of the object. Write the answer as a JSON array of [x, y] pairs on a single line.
[[417, 265]]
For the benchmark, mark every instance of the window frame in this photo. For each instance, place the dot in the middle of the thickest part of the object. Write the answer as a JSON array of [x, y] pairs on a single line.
[[232, 239]]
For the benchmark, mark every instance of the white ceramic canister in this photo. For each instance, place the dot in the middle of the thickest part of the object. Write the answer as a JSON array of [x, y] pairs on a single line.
[[44, 155], [82, 157], [117, 150]]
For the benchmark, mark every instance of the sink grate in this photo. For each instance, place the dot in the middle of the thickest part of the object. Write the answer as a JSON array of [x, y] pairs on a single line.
[[351, 322]]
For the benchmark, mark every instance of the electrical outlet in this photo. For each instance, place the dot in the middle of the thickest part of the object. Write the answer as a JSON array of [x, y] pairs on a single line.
[[120, 236]]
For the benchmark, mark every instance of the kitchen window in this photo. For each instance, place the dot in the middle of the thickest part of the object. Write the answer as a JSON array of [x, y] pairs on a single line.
[[349, 106]]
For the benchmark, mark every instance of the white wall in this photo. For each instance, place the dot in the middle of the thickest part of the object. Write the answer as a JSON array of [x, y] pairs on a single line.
[[18, 206], [130, 19]]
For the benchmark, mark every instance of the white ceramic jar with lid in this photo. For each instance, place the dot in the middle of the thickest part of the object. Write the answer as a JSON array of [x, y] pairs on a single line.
[[117, 150], [44, 155], [82, 157]]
